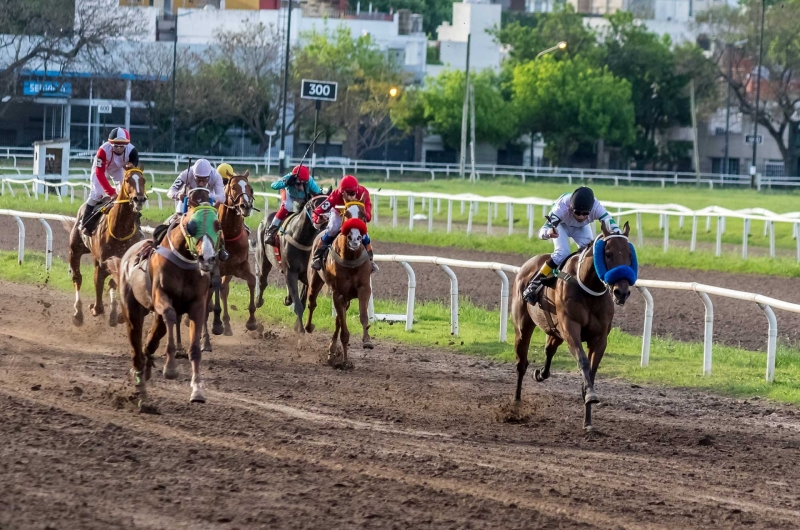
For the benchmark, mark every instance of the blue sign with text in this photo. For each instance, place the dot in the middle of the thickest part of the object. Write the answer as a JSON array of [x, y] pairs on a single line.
[[47, 89]]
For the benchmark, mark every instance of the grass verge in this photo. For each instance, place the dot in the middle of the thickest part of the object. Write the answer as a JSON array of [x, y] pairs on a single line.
[[736, 372]]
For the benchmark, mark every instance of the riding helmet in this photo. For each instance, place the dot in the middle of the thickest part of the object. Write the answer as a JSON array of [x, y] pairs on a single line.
[[349, 184], [582, 200], [119, 136], [202, 168], [301, 172], [225, 171]]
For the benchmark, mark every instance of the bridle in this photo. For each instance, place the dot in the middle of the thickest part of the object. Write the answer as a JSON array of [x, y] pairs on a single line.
[[236, 200], [580, 265]]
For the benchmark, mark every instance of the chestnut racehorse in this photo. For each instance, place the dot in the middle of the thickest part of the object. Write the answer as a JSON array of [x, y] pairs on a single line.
[[170, 280], [116, 232], [578, 308], [238, 205], [346, 271]]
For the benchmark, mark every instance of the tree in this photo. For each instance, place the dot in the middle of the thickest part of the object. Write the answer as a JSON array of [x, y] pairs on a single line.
[[780, 70], [35, 33], [440, 105], [571, 102], [433, 12], [365, 75], [526, 37], [660, 92]]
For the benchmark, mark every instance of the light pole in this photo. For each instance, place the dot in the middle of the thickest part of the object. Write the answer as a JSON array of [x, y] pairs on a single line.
[[393, 93], [174, 69], [269, 134], [726, 160], [758, 95], [560, 46], [281, 162]]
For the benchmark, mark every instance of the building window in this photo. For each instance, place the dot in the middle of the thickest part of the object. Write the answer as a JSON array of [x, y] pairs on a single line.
[[718, 166]]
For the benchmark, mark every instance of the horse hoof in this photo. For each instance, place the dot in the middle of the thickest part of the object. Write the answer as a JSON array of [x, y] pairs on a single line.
[[77, 319], [588, 429], [170, 372], [96, 310], [112, 320], [537, 374], [180, 353], [259, 302], [310, 328], [251, 324], [287, 301], [120, 318], [367, 345], [591, 398], [217, 329], [197, 397], [228, 332], [206, 348]]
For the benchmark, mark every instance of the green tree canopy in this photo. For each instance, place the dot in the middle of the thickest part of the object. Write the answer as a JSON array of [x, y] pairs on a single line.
[[572, 102]]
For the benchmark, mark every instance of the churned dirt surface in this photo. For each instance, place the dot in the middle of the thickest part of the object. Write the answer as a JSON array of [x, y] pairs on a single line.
[[678, 314], [409, 438]]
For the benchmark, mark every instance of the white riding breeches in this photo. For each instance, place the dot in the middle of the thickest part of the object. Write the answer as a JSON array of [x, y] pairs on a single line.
[[96, 191], [582, 236], [334, 224]]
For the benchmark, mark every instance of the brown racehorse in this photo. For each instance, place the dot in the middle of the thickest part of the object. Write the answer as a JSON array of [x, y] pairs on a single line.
[[238, 205], [580, 307], [346, 271], [170, 280], [115, 233]]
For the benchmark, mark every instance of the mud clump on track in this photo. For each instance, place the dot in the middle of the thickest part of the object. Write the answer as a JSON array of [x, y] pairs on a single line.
[[409, 438]]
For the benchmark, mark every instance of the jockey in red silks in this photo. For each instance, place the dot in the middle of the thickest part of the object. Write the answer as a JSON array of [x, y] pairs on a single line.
[[349, 190], [296, 187], [109, 163]]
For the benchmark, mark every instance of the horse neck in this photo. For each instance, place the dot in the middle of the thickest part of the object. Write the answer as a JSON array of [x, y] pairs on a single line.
[[121, 217], [587, 272], [230, 221], [179, 242], [305, 228]]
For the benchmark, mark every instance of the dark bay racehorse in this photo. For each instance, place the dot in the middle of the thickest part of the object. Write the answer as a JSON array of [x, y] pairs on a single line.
[[170, 280], [578, 308], [346, 270], [295, 250], [238, 205], [116, 232]]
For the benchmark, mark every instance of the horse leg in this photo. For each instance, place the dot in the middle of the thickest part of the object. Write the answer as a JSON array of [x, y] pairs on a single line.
[[341, 314], [549, 350], [216, 282], [250, 278], [114, 317], [197, 313], [100, 275], [263, 266], [157, 332], [597, 348], [226, 318], [298, 304], [206, 337], [574, 341], [77, 280], [313, 292], [523, 330], [363, 315], [162, 306], [135, 324]]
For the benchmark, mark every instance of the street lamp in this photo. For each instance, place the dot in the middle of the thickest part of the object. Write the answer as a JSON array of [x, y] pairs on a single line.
[[393, 92], [560, 46], [269, 134], [174, 70], [758, 95]]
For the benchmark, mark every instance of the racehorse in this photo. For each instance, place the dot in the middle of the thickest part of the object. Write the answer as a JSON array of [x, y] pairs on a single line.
[[294, 249], [115, 233], [346, 270], [238, 205], [577, 309], [170, 280]]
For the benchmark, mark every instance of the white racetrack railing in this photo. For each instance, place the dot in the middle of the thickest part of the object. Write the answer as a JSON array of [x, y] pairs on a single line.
[[502, 270], [470, 203]]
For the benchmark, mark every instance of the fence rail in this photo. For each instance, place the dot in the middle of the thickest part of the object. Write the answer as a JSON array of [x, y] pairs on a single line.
[[502, 270]]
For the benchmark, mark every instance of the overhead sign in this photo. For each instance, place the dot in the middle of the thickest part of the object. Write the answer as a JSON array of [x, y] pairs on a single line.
[[47, 89], [322, 90], [749, 139], [104, 109]]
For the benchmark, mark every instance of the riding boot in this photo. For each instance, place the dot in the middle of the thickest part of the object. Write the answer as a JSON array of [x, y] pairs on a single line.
[[87, 214], [270, 239], [318, 254], [531, 293], [371, 256], [222, 254]]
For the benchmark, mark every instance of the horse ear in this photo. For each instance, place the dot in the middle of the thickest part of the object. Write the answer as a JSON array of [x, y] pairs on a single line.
[[217, 225], [605, 230], [626, 229], [246, 173], [191, 228]]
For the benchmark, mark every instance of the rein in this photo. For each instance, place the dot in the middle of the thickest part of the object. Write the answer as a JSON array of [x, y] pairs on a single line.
[[599, 276]]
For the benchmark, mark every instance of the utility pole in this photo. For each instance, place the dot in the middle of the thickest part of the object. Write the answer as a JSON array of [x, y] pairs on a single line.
[[694, 130], [174, 72], [282, 155], [727, 169], [472, 130], [753, 167], [464, 115]]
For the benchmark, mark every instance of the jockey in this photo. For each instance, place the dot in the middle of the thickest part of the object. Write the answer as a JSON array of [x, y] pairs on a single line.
[[570, 217], [297, 186], [109, 162], [349, 190], [200, 175], [226, 172]]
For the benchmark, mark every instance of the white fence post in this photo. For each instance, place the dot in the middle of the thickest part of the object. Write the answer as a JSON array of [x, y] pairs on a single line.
[[666, 233], [708, 333], [745, 234], [430, 215], [693, 242], [453, 299], [510, 214], [639, 230], [503, 304], [410, 212], [21, 249], [449, 215], [772, 341], [489, 220], [718, 251], [48, 245], [648, 325]]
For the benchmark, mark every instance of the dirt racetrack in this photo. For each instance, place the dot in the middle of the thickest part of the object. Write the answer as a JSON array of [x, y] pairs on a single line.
[[408, 439], [677, 314]]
